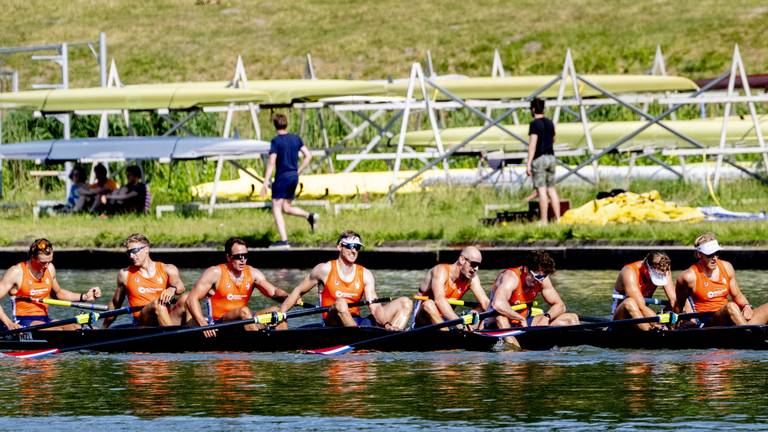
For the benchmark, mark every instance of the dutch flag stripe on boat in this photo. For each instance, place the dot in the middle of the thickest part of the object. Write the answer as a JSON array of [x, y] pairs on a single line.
[[341, 349], [32, 354]]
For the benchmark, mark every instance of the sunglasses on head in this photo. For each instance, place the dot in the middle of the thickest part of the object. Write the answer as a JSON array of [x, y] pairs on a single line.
[[355, 246], [473, 264], [134, 251], [538, 276], [239, 257]]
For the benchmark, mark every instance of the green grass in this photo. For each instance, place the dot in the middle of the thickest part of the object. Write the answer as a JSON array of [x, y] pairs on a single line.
[[438, 217], [177, 40]]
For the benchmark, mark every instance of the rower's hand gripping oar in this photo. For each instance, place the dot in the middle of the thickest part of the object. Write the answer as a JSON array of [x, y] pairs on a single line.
[[82, 319], [65, 303], [267, 319], [472, 304]]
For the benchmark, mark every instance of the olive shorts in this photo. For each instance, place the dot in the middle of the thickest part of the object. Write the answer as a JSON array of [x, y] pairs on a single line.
[[543, 171]]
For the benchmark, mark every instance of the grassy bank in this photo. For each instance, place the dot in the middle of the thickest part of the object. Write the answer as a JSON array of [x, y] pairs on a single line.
[[442, 216], [370, 40]]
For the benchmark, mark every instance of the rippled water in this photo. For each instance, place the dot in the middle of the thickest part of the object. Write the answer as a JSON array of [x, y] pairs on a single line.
[[576, 389]]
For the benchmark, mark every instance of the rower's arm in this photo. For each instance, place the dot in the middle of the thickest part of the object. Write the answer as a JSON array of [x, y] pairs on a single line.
[[200, 291], [117, 298], [738, 297], [266, 288], [552, 297], [10, 279], [307, 156], [60, 293], [683, 289], [310, 281], [439, 276], [669, 289], [504, 284], [477, 290], [174, 279], [370, 295]]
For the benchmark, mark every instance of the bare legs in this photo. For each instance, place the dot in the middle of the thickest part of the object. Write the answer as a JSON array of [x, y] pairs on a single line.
[[280, 206], [548, 195]]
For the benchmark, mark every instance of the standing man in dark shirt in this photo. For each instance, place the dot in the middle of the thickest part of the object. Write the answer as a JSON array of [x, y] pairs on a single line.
[[284, 160], [541, 160]]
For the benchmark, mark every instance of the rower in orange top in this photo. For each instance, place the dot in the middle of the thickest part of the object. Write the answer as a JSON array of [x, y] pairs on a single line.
[[709, 282], [228, 288], [342, 281], [523, 284], [36, 279], [450, 281], [638, 281], [150, 284]]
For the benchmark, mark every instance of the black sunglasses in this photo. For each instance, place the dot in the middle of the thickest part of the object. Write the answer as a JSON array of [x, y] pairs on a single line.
[[133, 251], [355, 246], [239, 257], [714, 255], [473, 264]]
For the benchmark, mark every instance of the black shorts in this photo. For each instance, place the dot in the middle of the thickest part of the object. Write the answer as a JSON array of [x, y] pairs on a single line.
[[284, 186]]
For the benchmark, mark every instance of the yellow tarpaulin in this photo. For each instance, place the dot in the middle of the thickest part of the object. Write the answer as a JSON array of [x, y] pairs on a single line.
[[630, 207]]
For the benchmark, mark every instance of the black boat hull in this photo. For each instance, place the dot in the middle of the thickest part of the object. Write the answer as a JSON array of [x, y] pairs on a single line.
[[741, 337], [239, 340]]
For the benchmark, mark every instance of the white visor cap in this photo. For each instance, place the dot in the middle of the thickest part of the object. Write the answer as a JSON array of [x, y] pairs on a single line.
[[658, 278], [709, 247]]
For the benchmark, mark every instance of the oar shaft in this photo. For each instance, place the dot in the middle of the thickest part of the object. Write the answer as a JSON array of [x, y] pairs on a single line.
[[78, 319], [451, 301], [65, 303], [263, 319], [662, 318]]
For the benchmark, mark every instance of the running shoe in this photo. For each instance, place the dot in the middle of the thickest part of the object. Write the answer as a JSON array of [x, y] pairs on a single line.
[[312, 219]]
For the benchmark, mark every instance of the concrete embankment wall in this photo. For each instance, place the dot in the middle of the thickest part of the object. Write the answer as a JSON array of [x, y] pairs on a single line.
[[566, 257]]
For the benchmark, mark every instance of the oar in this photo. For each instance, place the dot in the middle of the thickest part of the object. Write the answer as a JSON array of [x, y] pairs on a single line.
[[472, 304], [85, 318], [65, 303], [268, 318], [648, 300], [665, 318], [467, 319]]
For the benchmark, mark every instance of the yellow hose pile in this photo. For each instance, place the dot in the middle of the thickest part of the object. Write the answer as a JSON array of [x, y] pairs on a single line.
[[630, 207]]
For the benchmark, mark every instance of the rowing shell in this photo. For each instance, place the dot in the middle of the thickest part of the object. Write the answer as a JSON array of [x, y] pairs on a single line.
[[736, 337], [250, 341]]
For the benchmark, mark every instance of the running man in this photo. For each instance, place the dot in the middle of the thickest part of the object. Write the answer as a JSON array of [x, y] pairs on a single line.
[[450, 281], [341, 282], [709, 282], [36, 279], [150, 284], [228, 287], [283, 159], [638, 281], [523, 284]]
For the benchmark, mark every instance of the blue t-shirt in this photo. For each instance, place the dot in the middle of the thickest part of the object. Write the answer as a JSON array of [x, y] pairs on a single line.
[[286, 147]]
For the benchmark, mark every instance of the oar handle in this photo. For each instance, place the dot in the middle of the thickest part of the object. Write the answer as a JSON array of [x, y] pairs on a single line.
[[451, 301], [64, 303], [648, 300], [322, 309], [84, 318]]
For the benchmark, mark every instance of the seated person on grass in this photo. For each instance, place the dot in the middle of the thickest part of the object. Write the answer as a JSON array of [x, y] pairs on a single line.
[[130, 198]]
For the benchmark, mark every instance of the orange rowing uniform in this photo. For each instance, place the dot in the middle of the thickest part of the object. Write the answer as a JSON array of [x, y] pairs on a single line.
[[230, 294], [647, 287], [522, 294], [453, 289], [710, 295], [142, 290], [334, 287], [35, 288]]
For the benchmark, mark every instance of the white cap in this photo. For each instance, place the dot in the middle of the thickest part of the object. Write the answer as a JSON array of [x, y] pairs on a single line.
[[658, 278], [709, 247]]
